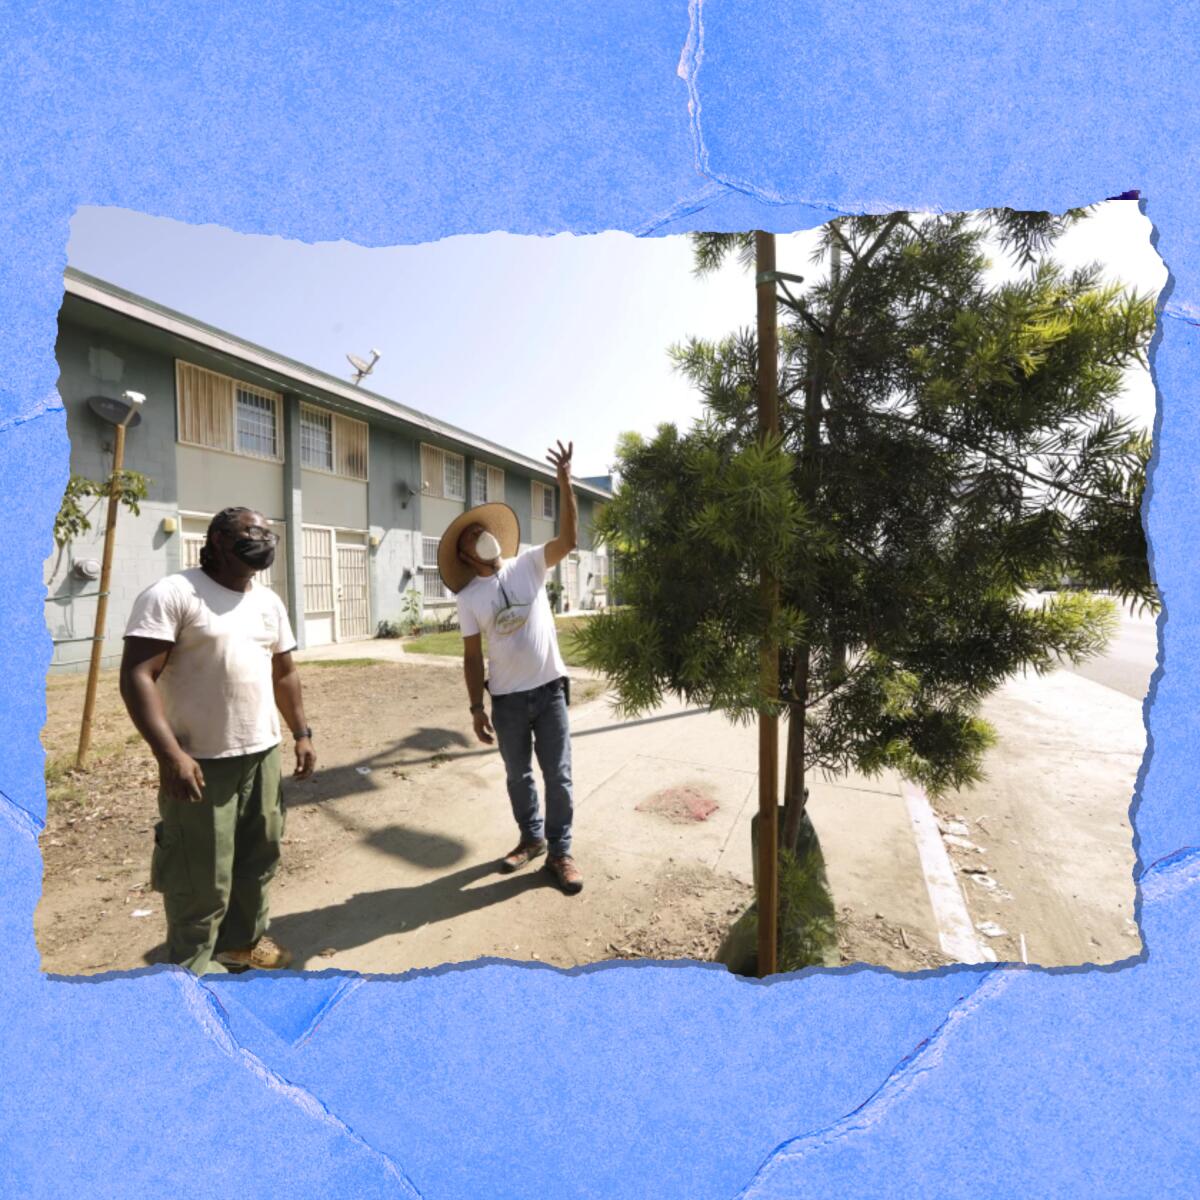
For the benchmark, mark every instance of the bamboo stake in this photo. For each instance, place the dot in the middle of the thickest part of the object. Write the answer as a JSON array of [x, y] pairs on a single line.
[[110, 537], [768, 725]]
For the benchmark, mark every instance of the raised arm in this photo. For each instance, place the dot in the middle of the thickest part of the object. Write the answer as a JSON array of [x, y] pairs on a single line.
[[568, 526]]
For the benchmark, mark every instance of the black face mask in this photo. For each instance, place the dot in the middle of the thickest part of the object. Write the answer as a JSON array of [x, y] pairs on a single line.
[[256, 554]]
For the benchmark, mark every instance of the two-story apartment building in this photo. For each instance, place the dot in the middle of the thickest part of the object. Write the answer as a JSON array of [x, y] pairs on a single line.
[[358, 487]]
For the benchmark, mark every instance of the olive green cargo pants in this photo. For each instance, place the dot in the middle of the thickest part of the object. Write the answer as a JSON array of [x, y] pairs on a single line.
[[213, 858]]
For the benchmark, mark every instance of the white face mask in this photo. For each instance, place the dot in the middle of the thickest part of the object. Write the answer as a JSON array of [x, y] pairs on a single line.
[[487, 548]]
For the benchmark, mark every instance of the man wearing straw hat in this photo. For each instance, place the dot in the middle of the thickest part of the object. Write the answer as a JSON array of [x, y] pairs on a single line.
[[502, 596]]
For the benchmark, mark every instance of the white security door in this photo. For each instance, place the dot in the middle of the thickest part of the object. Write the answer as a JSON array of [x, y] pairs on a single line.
[[571, 581], [319, 605], [353, 591]]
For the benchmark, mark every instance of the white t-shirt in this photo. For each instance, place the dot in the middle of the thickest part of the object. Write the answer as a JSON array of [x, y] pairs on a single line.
[[217, 688], [512, 611]]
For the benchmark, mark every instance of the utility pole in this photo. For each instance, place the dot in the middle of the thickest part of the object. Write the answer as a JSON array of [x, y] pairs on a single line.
[[134, 400], [768, 723]]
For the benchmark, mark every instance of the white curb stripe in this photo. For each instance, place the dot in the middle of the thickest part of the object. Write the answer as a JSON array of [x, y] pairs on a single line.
[[955, 931]]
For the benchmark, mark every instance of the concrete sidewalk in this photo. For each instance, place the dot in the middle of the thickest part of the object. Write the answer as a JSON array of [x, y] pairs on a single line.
[[683, 755], [673, 791], [864, 824], [1041, 849], [393, 650]]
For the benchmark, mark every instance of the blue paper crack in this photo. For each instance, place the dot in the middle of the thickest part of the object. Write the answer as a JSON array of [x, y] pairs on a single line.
[[51, 404], [902, 1079], [291, 1006], [1170, 875], [27, 822], [202, 1006]]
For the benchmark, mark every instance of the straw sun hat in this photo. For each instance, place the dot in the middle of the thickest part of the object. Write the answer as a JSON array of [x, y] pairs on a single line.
[[498, 519]]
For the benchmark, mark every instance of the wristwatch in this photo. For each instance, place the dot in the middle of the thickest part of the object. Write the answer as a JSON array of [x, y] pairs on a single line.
[[302, 733], [476, 708]]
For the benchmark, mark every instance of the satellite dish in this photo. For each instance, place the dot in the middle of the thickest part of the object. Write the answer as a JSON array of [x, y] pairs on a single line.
[[362, 369], [114, 411]]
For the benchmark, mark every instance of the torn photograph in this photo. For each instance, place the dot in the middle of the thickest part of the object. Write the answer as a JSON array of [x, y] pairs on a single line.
[[760, 600]]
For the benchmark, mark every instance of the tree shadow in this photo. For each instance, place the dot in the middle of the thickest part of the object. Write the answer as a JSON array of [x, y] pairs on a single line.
[[424, 746], [368, 916], [434, 746], [433, 739], [416, 846]]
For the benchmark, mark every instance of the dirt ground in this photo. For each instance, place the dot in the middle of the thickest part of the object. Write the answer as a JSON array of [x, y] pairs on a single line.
[[386, 734]]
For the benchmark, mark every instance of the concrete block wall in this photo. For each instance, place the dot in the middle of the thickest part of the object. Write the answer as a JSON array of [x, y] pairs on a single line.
[[142, 555], [393, 569], [394, 460], [92, 364]]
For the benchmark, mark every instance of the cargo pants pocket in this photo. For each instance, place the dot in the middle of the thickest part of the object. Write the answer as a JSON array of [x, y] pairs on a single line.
[[157, 856]]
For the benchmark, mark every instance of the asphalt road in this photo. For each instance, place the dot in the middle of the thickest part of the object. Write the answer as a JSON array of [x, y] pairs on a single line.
[[1130, 659]]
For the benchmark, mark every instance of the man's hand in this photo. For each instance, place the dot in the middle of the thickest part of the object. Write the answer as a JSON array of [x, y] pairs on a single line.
[[306, 759], [181, 778], [560, 460], [568, 528], [483, 727]]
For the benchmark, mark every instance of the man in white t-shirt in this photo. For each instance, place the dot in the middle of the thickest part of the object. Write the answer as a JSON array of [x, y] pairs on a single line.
[[502, 597], [207, 664]]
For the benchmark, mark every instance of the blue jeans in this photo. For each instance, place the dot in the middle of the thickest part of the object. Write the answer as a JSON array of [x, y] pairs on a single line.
[[529, 722]]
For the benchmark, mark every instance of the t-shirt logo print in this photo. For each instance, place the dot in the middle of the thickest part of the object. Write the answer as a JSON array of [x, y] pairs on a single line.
[[512, 616]]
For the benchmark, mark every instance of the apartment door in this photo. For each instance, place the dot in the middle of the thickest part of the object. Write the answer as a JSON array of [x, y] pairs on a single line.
[[352, 597], [336, 589]]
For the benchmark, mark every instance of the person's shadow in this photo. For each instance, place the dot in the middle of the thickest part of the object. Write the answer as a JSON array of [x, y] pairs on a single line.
[[366, 916]]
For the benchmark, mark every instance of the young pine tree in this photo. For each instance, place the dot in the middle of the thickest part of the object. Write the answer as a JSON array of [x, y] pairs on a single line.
[[946, 443]]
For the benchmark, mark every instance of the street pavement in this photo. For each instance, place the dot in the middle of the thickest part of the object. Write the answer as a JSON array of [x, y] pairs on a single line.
[[1129, 661]]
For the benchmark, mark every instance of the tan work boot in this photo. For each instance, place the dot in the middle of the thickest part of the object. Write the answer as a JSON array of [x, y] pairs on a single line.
[[264, 955], [524, 852], [566, 873]]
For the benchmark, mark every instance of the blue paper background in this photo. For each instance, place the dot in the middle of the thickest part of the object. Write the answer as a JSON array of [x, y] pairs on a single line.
[[402, 122]]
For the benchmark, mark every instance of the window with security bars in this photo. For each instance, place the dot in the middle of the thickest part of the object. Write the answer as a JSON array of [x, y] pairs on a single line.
[[316, 438], [256, 417], [443, 473], [487, 485], [333, 443], [543, 502], [432, 586], [218, 412]]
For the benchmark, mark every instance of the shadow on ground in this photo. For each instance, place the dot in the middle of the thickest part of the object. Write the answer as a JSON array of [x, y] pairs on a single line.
[[368, 916], [434, 746]]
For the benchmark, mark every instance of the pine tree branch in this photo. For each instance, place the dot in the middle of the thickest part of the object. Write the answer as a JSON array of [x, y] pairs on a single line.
[[959, 443], [859, 263], [798, 306]]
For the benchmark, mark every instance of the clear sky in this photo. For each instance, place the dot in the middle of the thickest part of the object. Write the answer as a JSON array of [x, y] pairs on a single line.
[[518, 339]]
